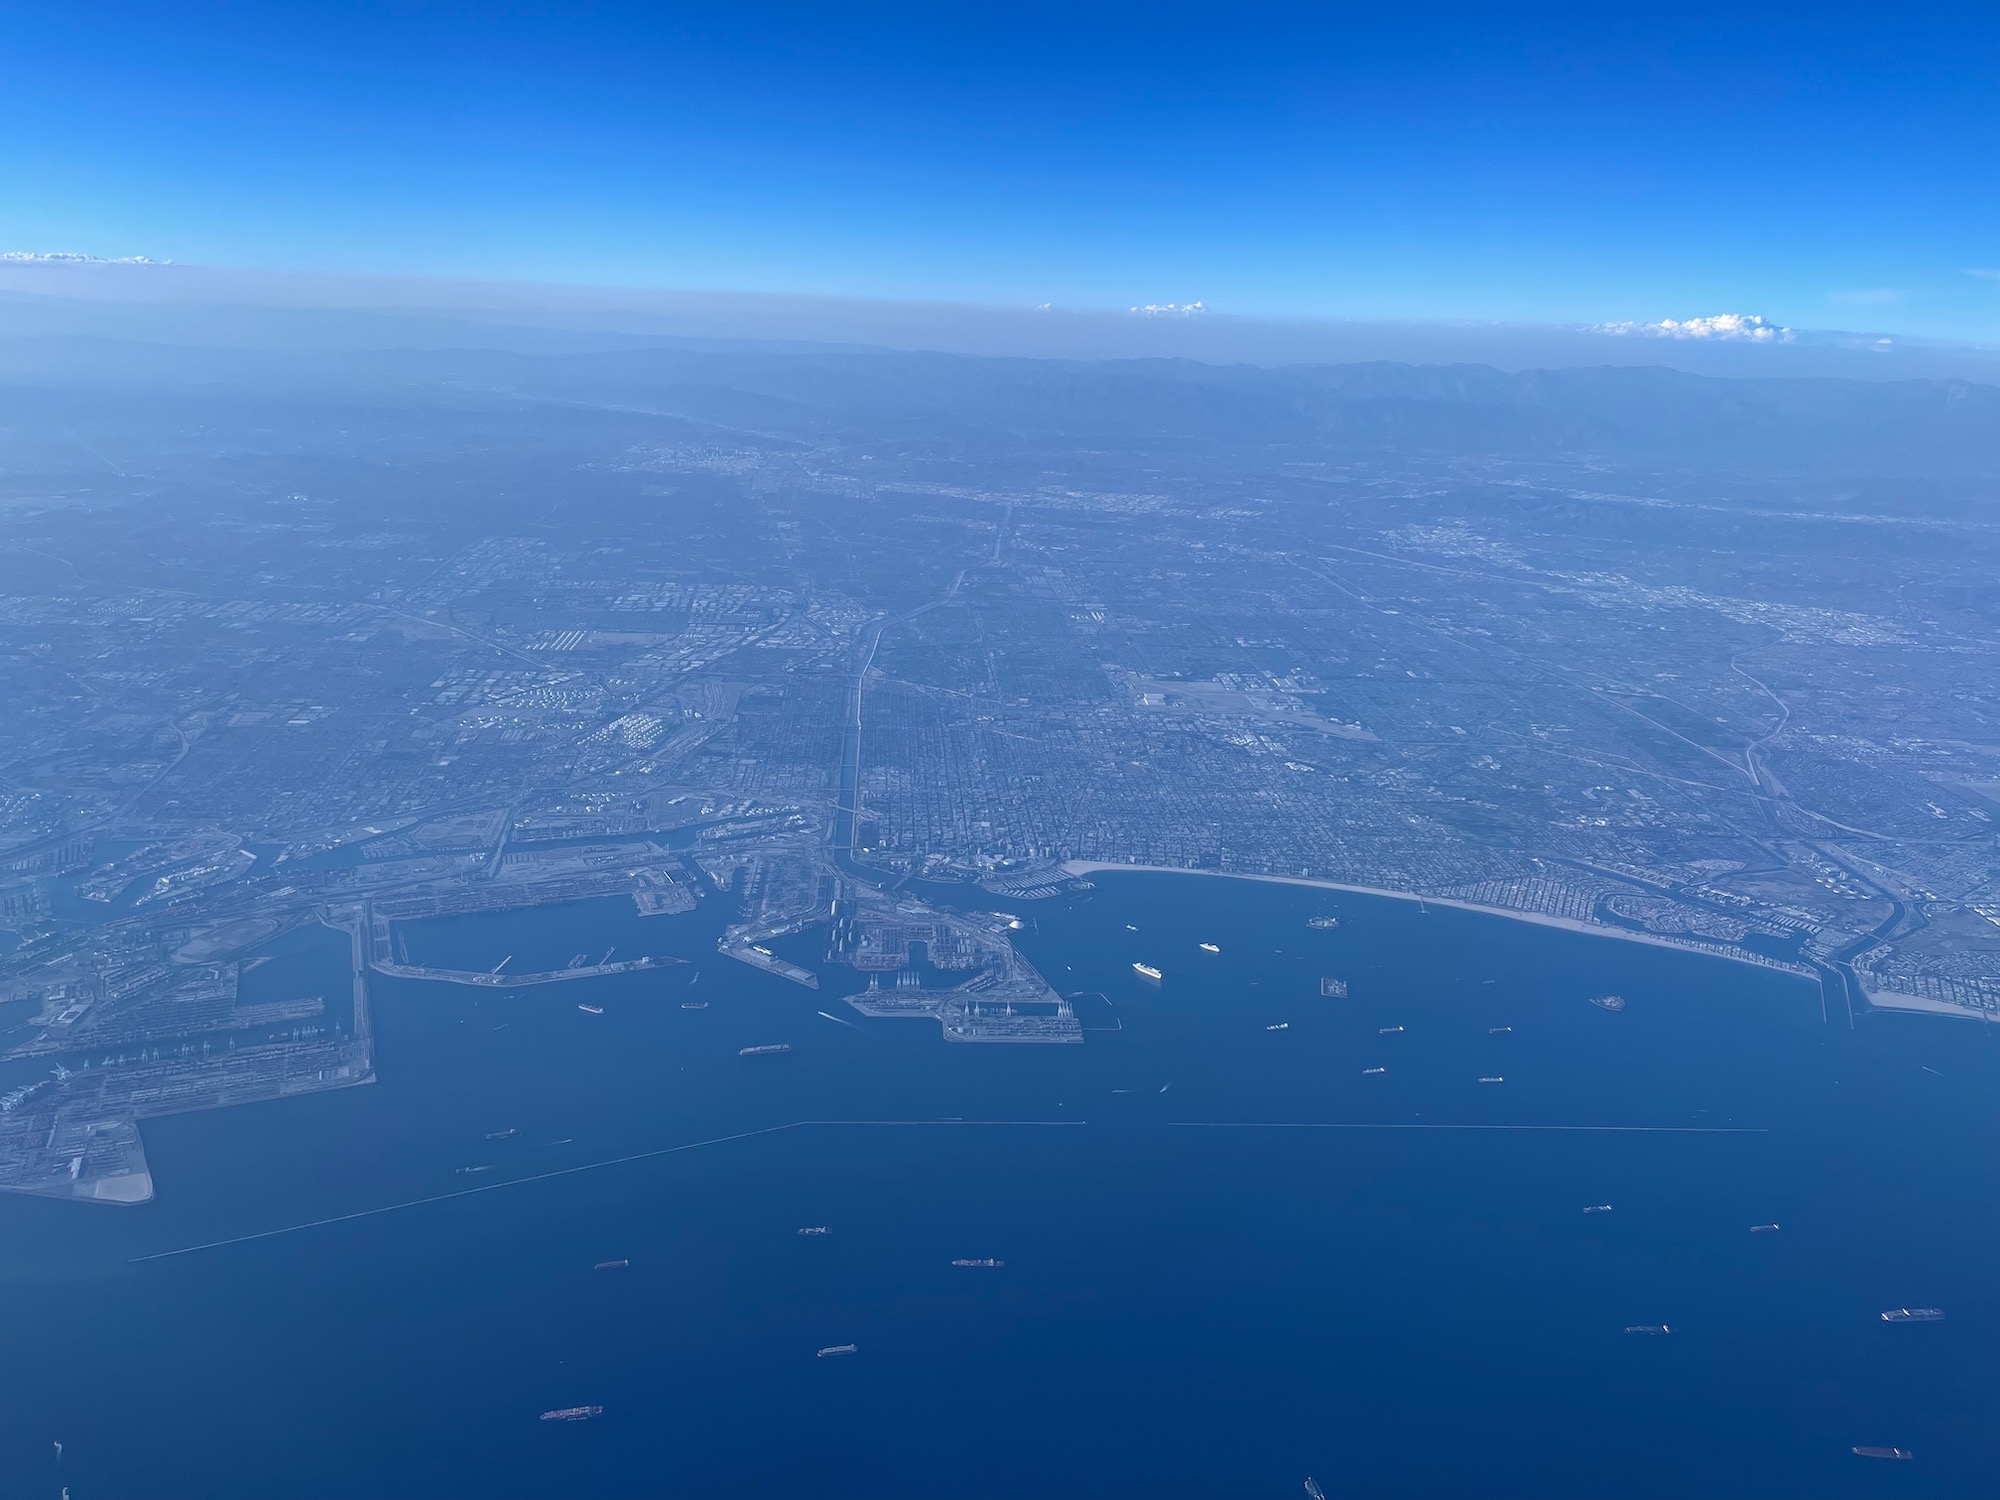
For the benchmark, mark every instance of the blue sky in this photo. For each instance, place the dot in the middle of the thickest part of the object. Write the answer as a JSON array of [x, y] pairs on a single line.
[[1827, 166]]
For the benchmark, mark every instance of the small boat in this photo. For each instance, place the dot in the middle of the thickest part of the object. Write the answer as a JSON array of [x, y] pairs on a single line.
[[1598, 1208], [815, 1229], [572, 1414], [766, 1050], [1913, 1315], [612, 1265], [590, 1010], [1608, 1002], [1210, 948], [1656, 1329], [1869, 1450], [831, 1350], [1764, 1228], [1371, 1072]]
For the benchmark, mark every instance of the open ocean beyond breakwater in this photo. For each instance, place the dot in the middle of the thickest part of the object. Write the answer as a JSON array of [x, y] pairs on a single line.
[[1206, 1292]]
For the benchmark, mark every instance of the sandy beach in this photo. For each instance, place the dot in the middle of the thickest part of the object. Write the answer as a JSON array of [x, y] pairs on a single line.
[[1085, 867]]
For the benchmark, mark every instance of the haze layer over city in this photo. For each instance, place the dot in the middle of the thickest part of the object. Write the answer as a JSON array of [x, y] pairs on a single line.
[[619, 851]]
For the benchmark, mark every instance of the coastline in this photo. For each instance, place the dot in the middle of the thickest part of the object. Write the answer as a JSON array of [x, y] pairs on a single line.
[[1086, 867]]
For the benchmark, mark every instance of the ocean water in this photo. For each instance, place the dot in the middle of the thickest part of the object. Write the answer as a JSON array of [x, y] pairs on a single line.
[[1232, 1259]]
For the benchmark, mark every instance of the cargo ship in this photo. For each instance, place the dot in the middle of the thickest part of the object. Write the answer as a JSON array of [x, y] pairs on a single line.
[[613, 1265], [1499, 1031], [1494, 1078], [1652, 1328], [1913, 1315], [502, 1135], [1388, 1031], [834, 1349], [1333, 989], [814, 1229], [572, 1414], [590, 1010], [1763, 1228], [1313, 1491], [1869, 1450], [1280, 1026], [1147, 972], [764, 1051], [694, 1005], [1598, 1208], [985, 1264], [1608, 1002], [1371, 1072]]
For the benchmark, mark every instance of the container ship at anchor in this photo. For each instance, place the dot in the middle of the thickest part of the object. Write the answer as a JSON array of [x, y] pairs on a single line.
[[572, 1414]]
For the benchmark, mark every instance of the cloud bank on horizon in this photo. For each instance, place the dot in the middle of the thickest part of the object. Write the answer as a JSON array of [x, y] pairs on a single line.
[[1739, 328]]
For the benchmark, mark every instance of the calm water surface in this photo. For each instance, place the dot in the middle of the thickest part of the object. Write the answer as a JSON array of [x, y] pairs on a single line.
[[1206, 1293]]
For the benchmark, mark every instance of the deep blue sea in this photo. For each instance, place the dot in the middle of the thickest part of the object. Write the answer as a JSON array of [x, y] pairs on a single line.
[[1232, 1259]]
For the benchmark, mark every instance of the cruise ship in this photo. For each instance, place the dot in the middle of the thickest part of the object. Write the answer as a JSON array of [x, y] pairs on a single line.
[[765, 1050], [1913, 1315], [1147, 971], [832, 1349], [1210, 948], [572, 1414]]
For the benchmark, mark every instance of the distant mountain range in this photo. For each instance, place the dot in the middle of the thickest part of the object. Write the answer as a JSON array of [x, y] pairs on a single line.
[[1624, 414]]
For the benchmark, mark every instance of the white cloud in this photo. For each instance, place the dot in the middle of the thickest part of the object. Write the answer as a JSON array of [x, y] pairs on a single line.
[[76, 258], [1741, 328], [1169, 310]]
